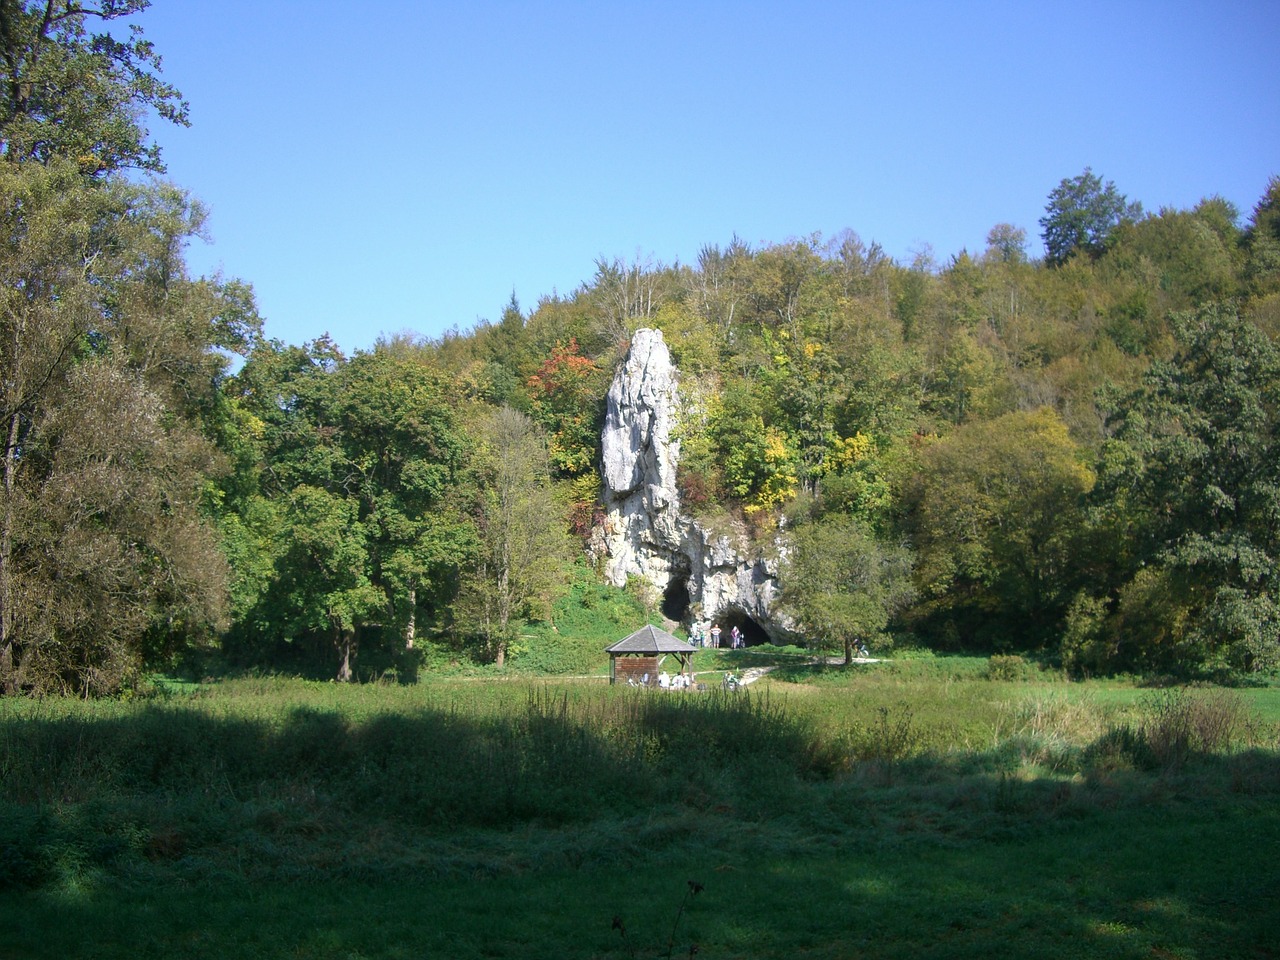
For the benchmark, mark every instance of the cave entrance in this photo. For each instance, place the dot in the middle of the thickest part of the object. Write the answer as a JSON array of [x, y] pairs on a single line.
[[675, 599], [752, 633]]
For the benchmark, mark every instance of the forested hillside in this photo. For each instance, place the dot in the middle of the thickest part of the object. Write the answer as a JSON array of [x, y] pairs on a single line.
[[1064, 443]]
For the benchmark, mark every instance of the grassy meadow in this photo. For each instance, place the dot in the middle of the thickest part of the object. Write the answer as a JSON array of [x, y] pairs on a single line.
[[936, 807]]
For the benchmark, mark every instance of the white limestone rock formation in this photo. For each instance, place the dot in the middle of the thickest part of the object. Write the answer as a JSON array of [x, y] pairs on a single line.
[[644, 533]]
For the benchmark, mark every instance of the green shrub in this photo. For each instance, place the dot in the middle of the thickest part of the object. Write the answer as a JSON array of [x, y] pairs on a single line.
[[1084, 648], [1008, 667]]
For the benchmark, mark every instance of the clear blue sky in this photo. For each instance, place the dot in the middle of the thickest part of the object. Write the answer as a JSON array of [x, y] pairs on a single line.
[[404, 166]]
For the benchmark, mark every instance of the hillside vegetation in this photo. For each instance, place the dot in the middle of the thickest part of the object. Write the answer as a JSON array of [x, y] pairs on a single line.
[[301, 655], [1069, 455]]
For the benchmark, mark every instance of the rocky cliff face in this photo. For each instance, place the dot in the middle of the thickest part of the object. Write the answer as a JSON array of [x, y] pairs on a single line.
[[703, 577]]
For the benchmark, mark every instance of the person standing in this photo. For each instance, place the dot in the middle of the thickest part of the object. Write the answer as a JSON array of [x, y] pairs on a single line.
[[715, 635], [735, 638]]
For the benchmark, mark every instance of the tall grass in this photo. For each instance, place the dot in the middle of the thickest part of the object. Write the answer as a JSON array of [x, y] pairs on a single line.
[[263, 779], [209, 774]]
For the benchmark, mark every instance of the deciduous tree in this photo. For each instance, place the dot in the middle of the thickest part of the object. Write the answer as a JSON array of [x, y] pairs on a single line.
[[841, 583], [1080, 215], [1191, 494], [374, 441], [567, 396], [402, 449], [108, 375], [998, 507], [524, 547], [70, 92]]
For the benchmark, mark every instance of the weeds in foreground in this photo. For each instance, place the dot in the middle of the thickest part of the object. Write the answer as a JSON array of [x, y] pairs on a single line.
[[1178, 724], [890, 739], [1046, 731], [693, 888]]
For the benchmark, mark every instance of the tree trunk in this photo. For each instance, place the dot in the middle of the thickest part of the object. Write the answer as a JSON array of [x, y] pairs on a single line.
[[410, 628], [345, 640], [504, 607], [7, 677], [848, 653]]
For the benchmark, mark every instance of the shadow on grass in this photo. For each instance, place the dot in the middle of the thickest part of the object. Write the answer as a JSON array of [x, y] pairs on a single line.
[[193, 790], [274, 819], [1167, 876], [163, 783]]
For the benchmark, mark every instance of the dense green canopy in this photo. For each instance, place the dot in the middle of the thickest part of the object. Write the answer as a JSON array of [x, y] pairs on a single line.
[[1073, 456]]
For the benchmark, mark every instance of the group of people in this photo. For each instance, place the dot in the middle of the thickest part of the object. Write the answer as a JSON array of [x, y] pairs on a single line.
[[681, 681], [699, 638]]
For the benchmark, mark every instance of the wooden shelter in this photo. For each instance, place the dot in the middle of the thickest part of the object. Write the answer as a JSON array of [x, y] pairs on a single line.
[[640, 655]]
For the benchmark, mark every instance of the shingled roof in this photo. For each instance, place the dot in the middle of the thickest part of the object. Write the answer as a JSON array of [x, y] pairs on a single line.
[[650, 639]]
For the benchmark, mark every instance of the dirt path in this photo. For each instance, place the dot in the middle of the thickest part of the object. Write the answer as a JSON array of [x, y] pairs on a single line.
[[752, 674]]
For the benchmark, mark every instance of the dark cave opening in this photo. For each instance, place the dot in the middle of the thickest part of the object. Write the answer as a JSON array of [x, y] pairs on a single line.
[[675, 599], [752, 633]]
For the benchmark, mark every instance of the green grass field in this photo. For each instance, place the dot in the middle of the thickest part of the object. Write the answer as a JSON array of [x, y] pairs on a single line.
[[904, 809]]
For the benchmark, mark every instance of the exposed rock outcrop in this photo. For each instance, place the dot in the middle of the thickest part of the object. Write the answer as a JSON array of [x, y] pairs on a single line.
[[644, 533]]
